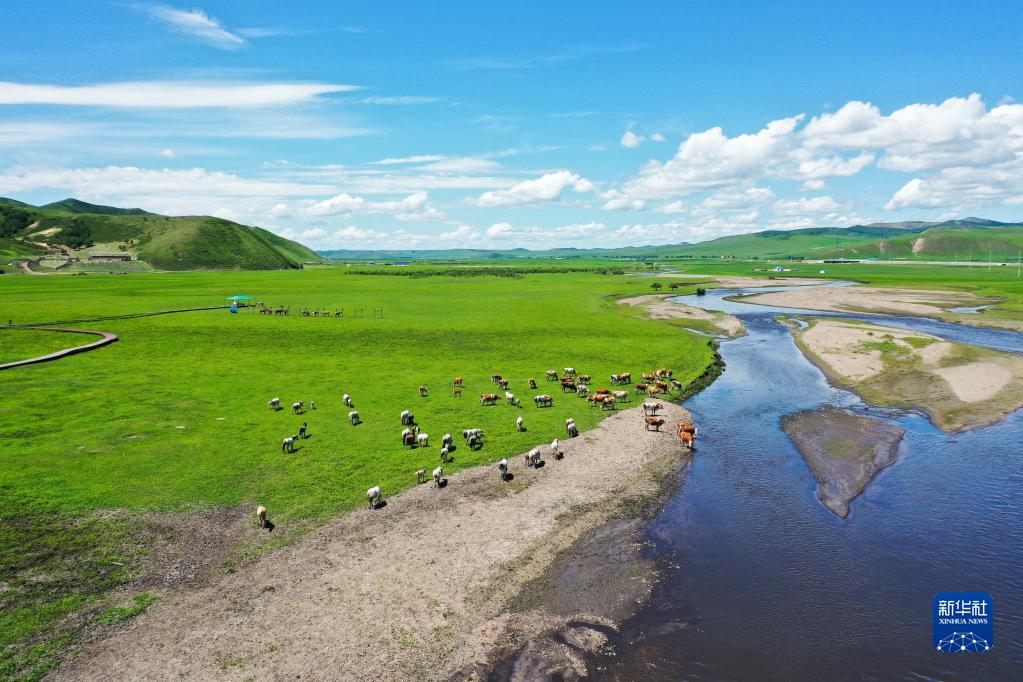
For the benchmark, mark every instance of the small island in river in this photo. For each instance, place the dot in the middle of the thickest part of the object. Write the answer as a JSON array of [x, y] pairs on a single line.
[[845, 451]]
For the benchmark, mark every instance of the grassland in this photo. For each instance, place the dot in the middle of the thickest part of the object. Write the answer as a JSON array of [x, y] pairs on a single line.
[[173, 419]]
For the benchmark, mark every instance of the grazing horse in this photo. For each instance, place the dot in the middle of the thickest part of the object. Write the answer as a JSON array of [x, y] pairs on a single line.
[[655, 422]]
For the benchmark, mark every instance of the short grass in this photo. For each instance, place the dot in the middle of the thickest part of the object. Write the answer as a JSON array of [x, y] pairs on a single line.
[[19, 344], [174, 417]]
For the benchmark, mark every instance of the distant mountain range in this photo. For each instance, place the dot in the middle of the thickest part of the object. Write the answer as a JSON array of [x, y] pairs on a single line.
[[912, 240], [80, 229]]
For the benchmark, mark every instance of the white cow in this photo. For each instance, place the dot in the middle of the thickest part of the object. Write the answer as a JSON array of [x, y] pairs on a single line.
[[274, 404], [288, 444], [347, 400], [406, 418], [421, 476], [572, 429], [502, 467], [570, 371], [444, 454], [374, 496], [519, 425], [532, 457], [297, 407], [353, 418], [446, 440], [651, 407], [424, 440], [261, 516], [556, 448], [438, 474]]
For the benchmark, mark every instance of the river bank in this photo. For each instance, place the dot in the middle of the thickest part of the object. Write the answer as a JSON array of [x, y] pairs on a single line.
[[958, 386], [657, 307], [416, 590]]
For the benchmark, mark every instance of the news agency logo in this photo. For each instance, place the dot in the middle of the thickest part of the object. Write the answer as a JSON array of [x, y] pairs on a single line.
[[963, 622]]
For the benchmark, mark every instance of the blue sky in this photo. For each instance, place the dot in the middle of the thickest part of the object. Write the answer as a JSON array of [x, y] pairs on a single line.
[[432, 125]]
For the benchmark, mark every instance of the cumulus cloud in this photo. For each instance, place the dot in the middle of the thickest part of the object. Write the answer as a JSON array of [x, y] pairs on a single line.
[[168, 94], [616, 201], [547, 187], [631, 140], [168, 153], [963, 186], [415, 206], [710, 160], [813, 185], [807, 205]]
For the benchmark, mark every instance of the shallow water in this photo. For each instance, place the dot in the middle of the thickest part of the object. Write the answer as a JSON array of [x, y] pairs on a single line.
[[762, 582]]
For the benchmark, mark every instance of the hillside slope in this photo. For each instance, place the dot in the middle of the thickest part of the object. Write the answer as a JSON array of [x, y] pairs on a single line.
[[164, 242]]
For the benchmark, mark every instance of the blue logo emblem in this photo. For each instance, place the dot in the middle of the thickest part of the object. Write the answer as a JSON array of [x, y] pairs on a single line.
[[963, 622]]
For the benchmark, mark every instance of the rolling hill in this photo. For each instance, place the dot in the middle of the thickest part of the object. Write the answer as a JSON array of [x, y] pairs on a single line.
[[81, 229]]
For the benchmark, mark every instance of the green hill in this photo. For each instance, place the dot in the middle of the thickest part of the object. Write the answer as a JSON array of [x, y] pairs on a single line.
[[164, 242]]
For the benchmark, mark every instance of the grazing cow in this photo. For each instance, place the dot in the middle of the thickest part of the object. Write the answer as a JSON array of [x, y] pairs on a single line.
[[274, 404], [533, 457], [653, 391], [676, 384], [496, 377], [475, 442], [568, 387], [621, 395], [584, 378], [649, 378], [298, 407], [532, 383], [347, 400], [302, 429], [408, 440], [519, 425], [424, 440], [446, 440], [556, 449], [288, 444], [603, 391], [457, 381], [407, 418], [456, 392], [664, 373], [502, 467], [571, 429], [609, 403], [261, 516], [543, 400], [662, 385], [422, 391], [503, 383], [655, 422], [626, 377], [687, 440], [552, 375], [640, 388], [510, 397], [616, 379], [421, 476], [582, 390], [374, 496], [438, 475], [445, 454], [570, 371], [650, 407], [469, 433], [489, 398], [353, 418]]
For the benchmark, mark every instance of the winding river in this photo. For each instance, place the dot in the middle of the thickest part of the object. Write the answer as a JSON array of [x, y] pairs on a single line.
[[762, 582]]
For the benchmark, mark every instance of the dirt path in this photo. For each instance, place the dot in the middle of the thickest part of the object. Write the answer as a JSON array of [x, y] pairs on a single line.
[[106, 339], [417, 590]]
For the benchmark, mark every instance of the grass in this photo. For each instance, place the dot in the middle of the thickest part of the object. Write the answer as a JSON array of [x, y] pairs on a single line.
[[19, 344], [174, 418]]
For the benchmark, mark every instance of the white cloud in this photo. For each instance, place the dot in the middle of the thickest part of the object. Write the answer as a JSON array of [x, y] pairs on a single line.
[[738, 198], [197, 24], [462, 235], [616, 201], [401, 100], [168, 153], [831, 166], [963, 186], [341, 204], [631, 140], [462, 164], [415, 206], [547, 187], [657, 137], [711, 159], [674, 207], [813, 185], [807, 205], [168, 94]]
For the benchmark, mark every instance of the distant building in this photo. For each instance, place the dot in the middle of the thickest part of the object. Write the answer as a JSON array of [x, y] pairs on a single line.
[[110, 258]]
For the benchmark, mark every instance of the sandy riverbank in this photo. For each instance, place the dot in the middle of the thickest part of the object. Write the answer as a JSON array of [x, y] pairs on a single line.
[[417, 590], [959, 386], [708, 321], [889, 301]]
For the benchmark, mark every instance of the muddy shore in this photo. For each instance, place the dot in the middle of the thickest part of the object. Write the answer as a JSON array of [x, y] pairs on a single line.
[[435, 584]]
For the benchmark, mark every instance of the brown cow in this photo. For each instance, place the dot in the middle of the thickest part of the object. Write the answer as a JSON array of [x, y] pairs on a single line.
[[584, 378], [655, 422], [649, 378], [686, 427], [489, 398], [503, 383], [640, 388], [457, 381], [532, 382], [653, 391], [687, 440], [663, 385], [603, 391]]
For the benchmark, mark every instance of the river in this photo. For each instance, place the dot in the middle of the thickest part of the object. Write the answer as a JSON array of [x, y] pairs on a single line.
[[762, 582]]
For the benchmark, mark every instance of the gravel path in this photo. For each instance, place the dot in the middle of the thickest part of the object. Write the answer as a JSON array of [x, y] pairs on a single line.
[[416, 590]]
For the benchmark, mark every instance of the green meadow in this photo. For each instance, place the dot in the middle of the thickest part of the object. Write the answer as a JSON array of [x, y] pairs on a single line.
[[174, 417]]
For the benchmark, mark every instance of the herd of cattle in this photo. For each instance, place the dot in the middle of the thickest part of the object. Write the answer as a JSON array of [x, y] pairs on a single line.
[[654, 385]]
